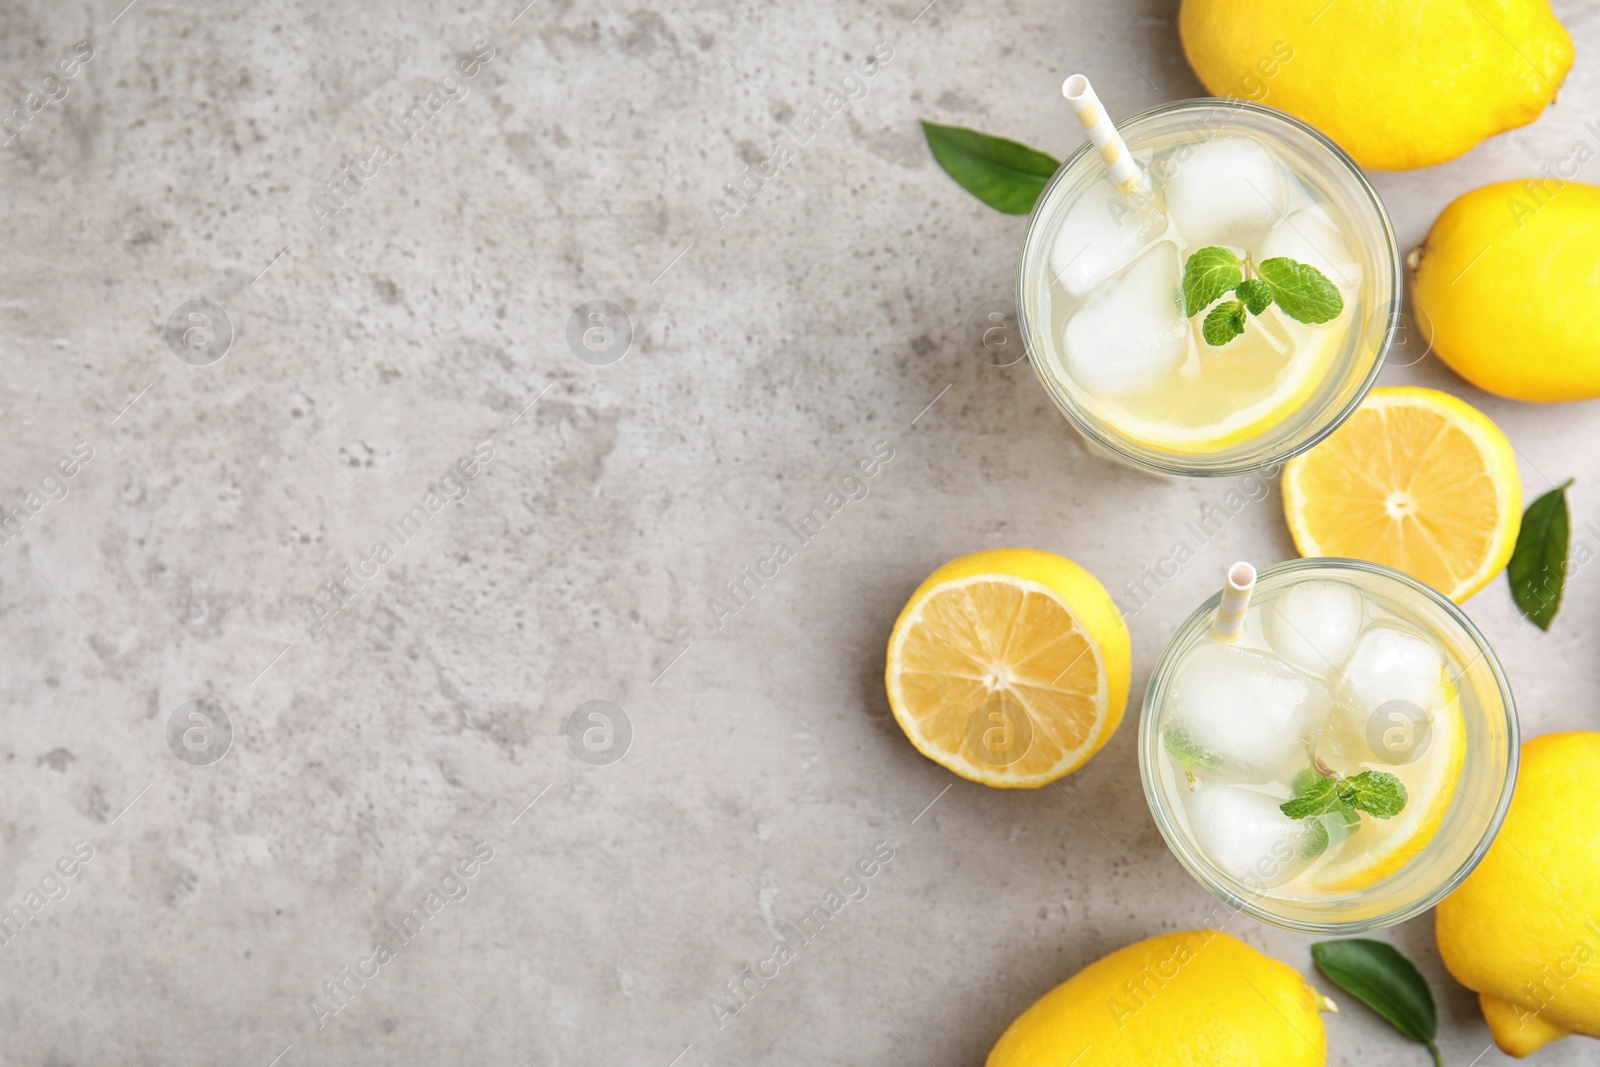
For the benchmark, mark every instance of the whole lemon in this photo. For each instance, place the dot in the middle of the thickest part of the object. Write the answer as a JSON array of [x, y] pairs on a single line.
[[1508, 289], [1397, 85], [1193, 998], [1523, 931]]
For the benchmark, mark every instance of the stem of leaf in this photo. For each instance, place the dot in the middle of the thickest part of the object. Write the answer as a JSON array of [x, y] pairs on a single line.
[[1438, 1060]]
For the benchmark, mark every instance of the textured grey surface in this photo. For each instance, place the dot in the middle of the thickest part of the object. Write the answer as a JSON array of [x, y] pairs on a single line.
[[771, 352]]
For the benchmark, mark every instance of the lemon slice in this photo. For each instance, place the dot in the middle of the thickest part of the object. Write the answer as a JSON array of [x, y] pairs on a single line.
[[1009, 667], [1204, 414], [1381, 847], [1415, 479]]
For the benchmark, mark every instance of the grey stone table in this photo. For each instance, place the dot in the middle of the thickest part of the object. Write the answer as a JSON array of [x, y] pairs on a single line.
[[391, 213]]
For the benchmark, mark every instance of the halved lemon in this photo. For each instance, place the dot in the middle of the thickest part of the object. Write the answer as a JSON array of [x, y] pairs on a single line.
[[1415, 479], [1380, 848], [1009, 667]]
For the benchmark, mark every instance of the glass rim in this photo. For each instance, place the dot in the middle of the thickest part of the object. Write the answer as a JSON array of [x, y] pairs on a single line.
[[1175, 463], [1252, 906]]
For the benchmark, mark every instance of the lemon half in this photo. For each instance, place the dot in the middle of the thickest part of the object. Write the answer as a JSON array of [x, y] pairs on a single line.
[[1009, 667], [1417, 480]]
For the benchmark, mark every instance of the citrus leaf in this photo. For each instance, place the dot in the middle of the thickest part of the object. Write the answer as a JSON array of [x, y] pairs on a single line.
[[1304, 293], [1003, 174], [1208, 274], [1376, 974], [1538, 568]]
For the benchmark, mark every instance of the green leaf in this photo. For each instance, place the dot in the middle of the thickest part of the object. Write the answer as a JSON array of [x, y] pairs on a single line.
[[1376, 974], [1304, 293], [1003, 174], [1378, 793], [1188, 751], [1256, 294], [1538, 568], [1208, 274], [1317, 839], [1342, 814], [1223, 323], [1314, 799]]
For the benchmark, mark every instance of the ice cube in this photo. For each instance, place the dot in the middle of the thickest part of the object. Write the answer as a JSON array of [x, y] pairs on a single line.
[[1315, 624], [1391, 664], [1245, 833], [1244, 712], [1308, 237], [1229, 191], [1131, 331], [1101, 234]]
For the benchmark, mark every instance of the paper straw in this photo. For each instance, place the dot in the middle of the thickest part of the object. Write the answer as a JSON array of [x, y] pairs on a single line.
[[1103, 133], [1229, 622]]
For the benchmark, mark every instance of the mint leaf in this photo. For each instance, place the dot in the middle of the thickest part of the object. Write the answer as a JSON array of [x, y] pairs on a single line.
[[1317, 839], [1314, 799], [1003, 174], [1376, 974], [1208, 274], [1256, 294], [1304, 293], [1223, 323], [1538, 568], [1378, 793], [1343, 814], [1189, 752]]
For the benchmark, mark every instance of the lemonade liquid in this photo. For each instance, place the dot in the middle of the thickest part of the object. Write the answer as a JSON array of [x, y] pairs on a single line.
[[1342, 676], [1100, 293]]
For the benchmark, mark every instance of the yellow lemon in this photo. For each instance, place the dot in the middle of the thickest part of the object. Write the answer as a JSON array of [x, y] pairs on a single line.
[[1009, 667], [1197, 998], [1397, 85], [1523, 931], [1415, 479], [1507, 289]]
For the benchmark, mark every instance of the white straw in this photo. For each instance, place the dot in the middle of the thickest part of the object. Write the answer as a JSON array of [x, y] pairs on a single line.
[[1229, 622], [1103, 132]]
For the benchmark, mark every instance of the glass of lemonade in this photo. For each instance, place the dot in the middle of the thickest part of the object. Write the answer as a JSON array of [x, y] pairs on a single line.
[[1344, 761], [1101, 300]]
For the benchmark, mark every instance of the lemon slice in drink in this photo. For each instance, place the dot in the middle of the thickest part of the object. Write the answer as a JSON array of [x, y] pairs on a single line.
[[1009, 667], [1233, 393], [1415, 479], [1382, 846]]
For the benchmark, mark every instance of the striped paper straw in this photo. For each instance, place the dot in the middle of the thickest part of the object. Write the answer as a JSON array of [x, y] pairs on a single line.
[[1113, 149], [1229, 622]]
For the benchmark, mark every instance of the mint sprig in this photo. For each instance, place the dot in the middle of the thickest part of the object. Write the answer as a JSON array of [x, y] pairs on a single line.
[[1377, 793], [1301, 292]]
